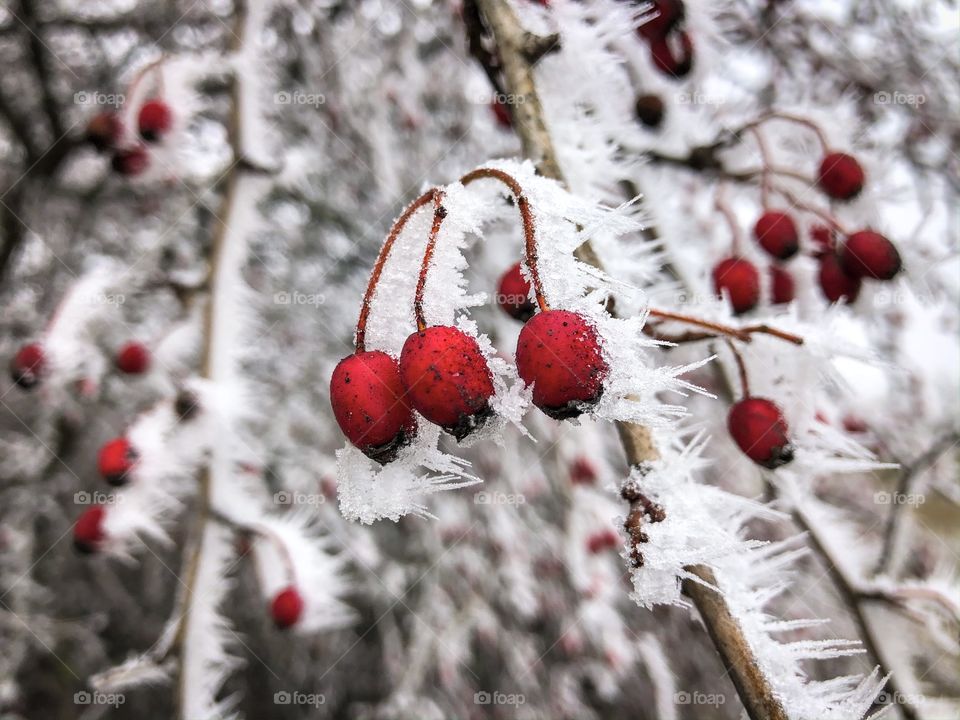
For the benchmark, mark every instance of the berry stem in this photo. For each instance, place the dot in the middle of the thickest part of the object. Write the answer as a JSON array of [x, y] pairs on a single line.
[[765, 168], [398, 226], [789, 117], [721, 205], [143, 72], [439, 213], [526, 217], [741, 367], [260, 531], [801, 205], [742, 334]]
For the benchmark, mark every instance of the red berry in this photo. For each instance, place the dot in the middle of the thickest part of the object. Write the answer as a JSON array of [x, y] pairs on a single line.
[[28, 366], [782, 286], [502, 113], [741, 281], [116, 460], [777, 234], [88, 531], [154, 120], [104, 130], [758, 427], [603, 540], [133, 359], [650, 110], [130, 161], [870, 254], [853, 424], [841, 176], [287, 607], [447, 379], [824, 239], [371, 406], [664, 16], [558, 352], [582, 472], [673, 55], [835, 283], [513, 294]]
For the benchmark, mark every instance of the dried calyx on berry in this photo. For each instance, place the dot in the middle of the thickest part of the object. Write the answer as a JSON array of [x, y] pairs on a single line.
[[650, 110], [28, 366], [154, 120], [868, 254], [840, 176], [776, 233], [116, 460], [447, 379], [740, 280], [286, 609], [513, 294], [88, 532], [371, 406], [758, 427], [559, 353]]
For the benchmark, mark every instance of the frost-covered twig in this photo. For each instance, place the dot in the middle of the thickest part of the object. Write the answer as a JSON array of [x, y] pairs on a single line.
[[755, 691]]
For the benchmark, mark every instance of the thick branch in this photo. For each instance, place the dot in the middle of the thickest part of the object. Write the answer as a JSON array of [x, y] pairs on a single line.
[[755, 692]]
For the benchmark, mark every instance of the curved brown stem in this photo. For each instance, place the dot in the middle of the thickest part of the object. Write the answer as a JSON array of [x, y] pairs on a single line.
[[801, 205], [742, 334], [742, 368], [720, 203], [439, 213], [398, 226], [796, 119], [526, 217]]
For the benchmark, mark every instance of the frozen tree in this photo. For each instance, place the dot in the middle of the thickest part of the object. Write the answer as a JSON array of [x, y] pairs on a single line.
[[493, 358]]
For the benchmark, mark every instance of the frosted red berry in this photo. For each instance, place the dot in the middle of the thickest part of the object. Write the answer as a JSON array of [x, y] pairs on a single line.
[[116, 460], [447, 379], [824, 240], [88, 532], [868, 254], [28, 366], [133, 359], [650, 110], [370, 404], [673, 54], [559, 353], [582, 472], [130, 161], [739, 279], [841, 176], [104, 130], [501, 113], [782, 287], [603, 540], [758, 427], [154, 120], [777, 234], [286, 609], [513, 294], [663, 17], [835, 283]]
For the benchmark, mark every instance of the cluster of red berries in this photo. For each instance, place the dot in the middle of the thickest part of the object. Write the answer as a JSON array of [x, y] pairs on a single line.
[[863, 254], [443, 376], [105, 132], [29, 365], [671, 47]]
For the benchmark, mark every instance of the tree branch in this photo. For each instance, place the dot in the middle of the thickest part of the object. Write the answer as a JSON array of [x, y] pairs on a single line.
[[755, 691]]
